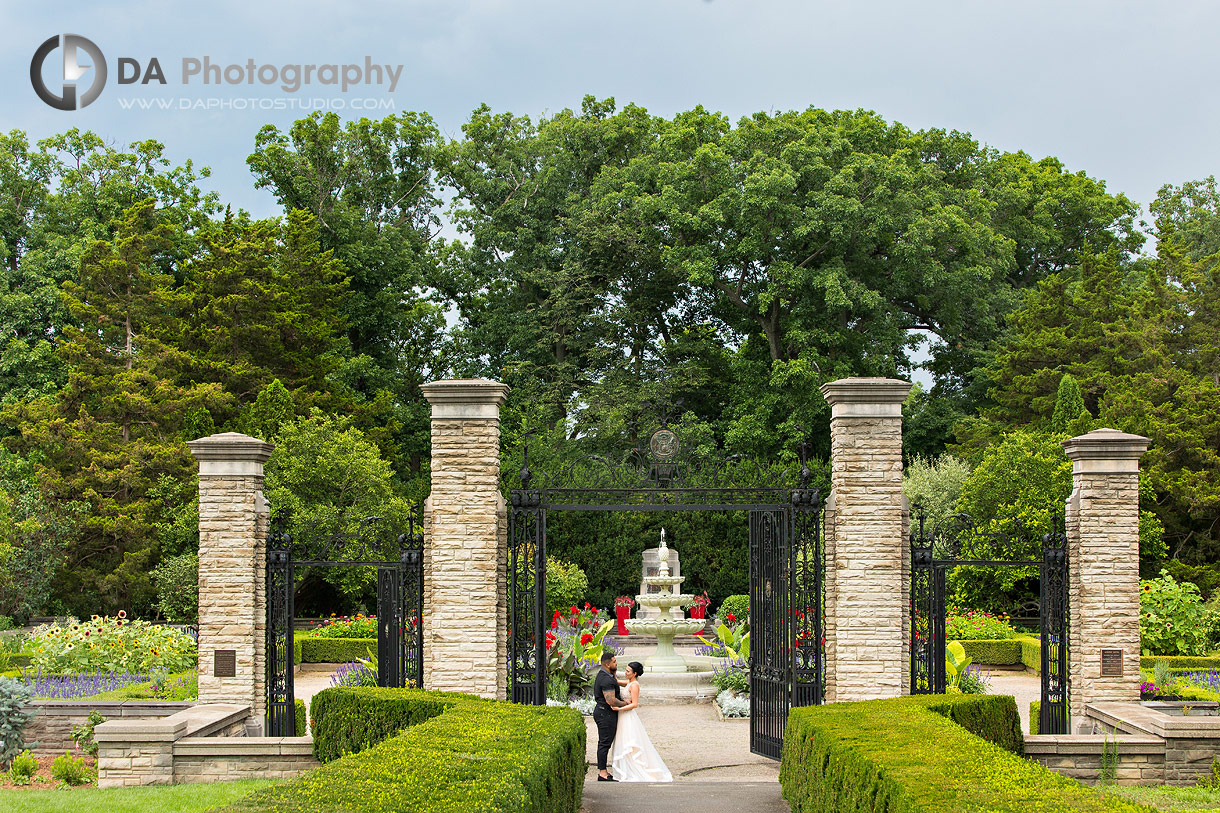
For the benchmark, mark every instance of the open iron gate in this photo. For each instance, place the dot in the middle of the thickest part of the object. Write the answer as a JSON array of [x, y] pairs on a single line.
[[785, 550], [400, 592], [957, 541]]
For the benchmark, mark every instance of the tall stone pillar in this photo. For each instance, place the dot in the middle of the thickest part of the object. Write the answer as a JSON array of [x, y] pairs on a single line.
[[867, 556], [1103, 546], [232, 570], [466, 546]]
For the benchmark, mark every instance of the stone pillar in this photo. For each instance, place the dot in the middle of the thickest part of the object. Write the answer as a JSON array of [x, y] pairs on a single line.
[[466, 547], [867, 556], [232, 570], [1103, 547]]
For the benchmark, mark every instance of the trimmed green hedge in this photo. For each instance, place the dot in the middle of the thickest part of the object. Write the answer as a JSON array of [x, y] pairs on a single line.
[[302, 726], [1180, 662], [998, 652], [1035, 716], [1031, 652], [20, 659], [922, 753], [332, 650], [457, 753]]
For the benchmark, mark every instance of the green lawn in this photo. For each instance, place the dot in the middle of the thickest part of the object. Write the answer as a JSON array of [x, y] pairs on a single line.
[[154, 799], [1167, 798]]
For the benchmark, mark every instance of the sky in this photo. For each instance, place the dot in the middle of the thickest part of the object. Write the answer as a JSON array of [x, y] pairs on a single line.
[[1120, 90]]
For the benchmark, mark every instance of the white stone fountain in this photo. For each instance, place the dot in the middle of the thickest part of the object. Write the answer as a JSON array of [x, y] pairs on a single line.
[[665, 626]]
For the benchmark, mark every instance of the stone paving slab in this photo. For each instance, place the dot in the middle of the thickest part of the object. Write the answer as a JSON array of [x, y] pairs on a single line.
[[683, 797]]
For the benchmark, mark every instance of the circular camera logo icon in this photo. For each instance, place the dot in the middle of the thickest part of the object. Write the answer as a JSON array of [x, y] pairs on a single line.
[[65, 96]]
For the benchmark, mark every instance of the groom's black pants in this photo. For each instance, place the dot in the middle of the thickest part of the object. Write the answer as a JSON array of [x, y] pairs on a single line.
[[607, 725]]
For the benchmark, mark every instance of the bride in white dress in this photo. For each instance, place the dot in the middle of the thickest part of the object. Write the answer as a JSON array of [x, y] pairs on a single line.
[[632, 757]]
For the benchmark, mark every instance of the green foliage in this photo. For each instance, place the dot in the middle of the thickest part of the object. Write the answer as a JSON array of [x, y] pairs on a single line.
[[990, 651], [1070, 417], [733, 642], [566, 585], [1031, 653], [23, 768], [737, 605], [82, 734], [1205, 576], [921, 753], [103, 644], [1173, 620], [178, 686], [935, 484], [1035, 716], [333, 650], [272, 409], [1179, 663], [302, 725], [411, 750], [731, 677], [70, 770], [956, 661], [1017, 487], [177, 583], [15, 713]]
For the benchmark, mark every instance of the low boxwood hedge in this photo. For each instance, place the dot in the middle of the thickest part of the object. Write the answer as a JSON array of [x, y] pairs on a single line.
[[444, 753], [332, 650], [922, 753], [997, 652], [1031, 652], [1035, 715], [1180, 663], [302, 727]]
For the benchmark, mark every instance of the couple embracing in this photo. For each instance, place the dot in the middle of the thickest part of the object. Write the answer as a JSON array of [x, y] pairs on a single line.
[[622, 744]]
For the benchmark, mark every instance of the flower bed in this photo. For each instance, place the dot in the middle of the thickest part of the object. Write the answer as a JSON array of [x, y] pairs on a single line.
[[976, 625], [355, 626], [70, 687], [412, 750], [922, 753], [105, 644]]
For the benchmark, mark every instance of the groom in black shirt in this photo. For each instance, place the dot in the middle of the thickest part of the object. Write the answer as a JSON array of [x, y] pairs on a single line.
[[605, 690]]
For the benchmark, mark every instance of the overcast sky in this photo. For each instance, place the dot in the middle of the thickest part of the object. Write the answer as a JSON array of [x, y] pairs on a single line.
[[1121, 90]]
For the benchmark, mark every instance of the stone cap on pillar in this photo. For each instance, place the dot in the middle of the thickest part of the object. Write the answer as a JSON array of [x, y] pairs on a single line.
[[230, 454], [465, 398], [866, 397], [1105, 451]]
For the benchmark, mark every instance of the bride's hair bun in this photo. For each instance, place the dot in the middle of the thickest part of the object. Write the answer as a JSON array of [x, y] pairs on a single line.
[[637, 667]]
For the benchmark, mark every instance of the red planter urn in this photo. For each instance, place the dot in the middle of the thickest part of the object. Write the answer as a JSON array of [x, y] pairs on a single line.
[[698, 610], [622, 613]]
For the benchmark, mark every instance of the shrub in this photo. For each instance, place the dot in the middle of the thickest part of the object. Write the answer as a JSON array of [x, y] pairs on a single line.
[[1179, 663], [25, 765], [104, 644], [936, 484], [353, 674], [1172, 618], [733, 704], [1031, 652], [70, 770], [972, 681], [334, 650], [15, 712], [1206, 576], [302, 727], [999, 653], [357, 626], [177, 583], [457, 753], [922, 753], [566, 584], [977, 625], [737, 605], [82, 734], [733, 676]]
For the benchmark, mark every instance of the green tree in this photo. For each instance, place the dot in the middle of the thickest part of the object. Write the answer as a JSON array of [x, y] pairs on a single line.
[[271, 410], [935, 484], [1070, 416]]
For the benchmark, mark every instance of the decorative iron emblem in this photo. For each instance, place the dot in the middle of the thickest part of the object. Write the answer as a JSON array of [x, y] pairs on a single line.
[[664, 444]]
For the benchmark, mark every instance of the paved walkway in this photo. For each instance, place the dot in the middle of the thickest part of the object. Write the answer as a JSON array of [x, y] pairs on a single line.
[[312, 679], [1025, 687], [711, 762]]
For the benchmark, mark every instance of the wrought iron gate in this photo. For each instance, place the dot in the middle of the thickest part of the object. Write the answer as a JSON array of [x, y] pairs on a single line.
[[786, 659], [958, 542], [400, 592]]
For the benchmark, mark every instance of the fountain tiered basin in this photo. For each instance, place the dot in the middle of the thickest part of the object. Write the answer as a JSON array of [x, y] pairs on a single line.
[[665, 626]]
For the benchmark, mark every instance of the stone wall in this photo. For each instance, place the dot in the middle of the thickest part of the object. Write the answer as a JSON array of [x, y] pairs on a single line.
[[867, 555], [1103, 566], [1138, 760], [51, 727], [465, 549]]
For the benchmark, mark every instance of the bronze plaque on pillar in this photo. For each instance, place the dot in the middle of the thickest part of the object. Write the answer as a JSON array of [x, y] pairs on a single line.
[[224, 663], [1111, 663]]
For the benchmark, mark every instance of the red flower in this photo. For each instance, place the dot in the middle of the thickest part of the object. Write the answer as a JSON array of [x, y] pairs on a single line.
[[586, 639], [586, 605], [732, 618], [554, 623], [575, 611]]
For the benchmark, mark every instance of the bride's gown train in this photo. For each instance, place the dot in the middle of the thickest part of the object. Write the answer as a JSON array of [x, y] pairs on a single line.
[[632, 757]]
